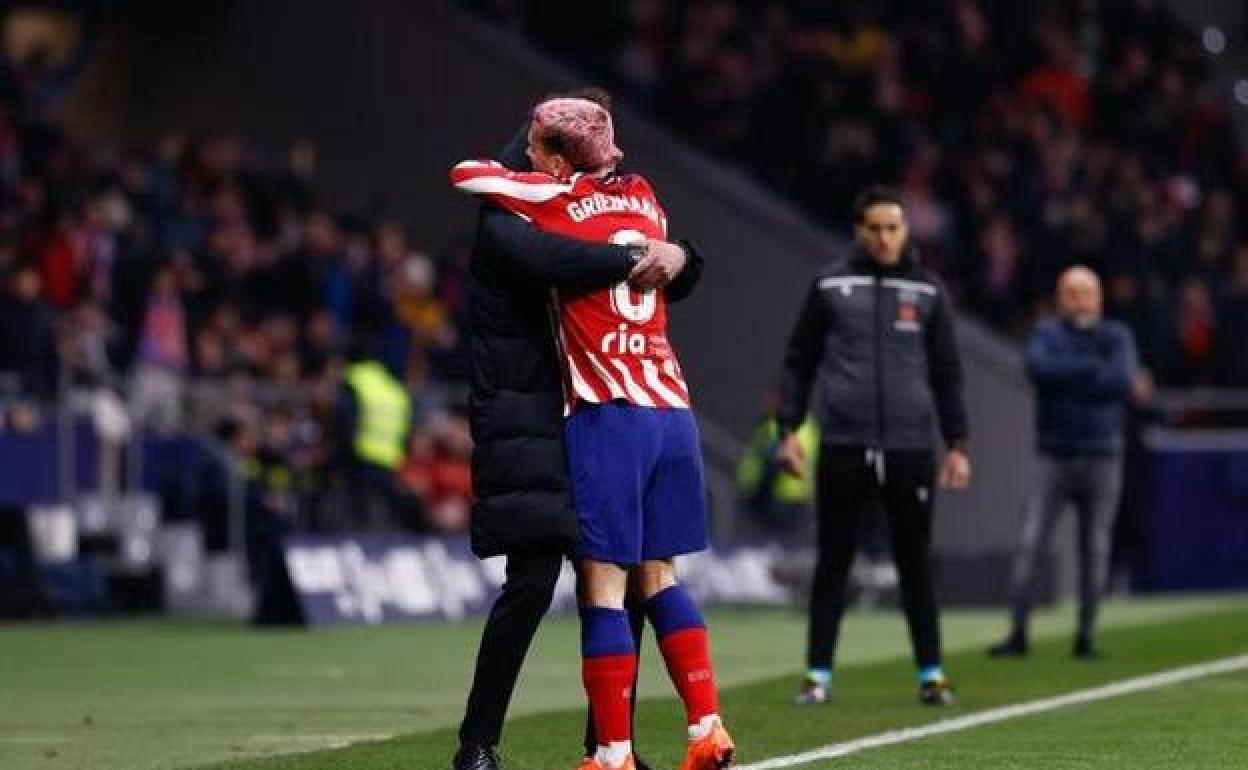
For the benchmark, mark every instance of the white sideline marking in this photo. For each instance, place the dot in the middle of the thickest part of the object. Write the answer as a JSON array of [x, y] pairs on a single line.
[[892, 737], [319, 741]]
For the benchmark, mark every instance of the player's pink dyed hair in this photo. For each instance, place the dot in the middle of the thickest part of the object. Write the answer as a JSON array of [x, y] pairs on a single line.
[[579, 129]]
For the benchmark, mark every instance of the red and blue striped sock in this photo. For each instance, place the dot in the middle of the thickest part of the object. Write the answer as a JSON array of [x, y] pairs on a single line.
[[686, 650], [608, 670]]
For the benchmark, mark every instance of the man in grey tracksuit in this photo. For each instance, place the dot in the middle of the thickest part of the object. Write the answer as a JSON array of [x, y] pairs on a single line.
[[877, 329], [1083, 368]]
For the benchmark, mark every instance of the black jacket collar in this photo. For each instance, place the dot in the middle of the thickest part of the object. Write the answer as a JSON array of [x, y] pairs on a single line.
[[861, 261]]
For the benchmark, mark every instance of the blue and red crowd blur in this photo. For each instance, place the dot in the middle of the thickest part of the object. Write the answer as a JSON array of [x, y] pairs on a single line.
[[1026, 136], [202, 280]]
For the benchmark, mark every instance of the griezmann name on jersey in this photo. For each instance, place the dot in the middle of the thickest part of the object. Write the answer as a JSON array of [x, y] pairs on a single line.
[[613, 341]]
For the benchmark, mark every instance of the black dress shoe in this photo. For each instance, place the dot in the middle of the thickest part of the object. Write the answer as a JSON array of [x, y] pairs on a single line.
[[1013, 646], [470, 757], [1084, 649]]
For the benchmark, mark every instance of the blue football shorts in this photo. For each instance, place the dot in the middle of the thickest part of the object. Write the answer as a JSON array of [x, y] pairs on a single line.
[[637, 482]]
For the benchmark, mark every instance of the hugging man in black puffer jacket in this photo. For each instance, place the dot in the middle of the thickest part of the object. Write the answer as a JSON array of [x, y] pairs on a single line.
[[523, 509]]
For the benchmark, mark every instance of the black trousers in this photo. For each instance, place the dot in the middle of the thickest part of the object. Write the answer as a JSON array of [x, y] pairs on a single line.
[[509, 630], [851, 482]]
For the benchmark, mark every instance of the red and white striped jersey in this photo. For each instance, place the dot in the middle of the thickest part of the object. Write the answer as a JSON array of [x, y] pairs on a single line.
[[613, 341]]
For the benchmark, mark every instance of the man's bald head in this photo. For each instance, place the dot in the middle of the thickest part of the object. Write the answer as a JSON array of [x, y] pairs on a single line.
[[1079, 296]]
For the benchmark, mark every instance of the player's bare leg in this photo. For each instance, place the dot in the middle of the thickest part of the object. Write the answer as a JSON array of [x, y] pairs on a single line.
[[608, 662], [686, 649]]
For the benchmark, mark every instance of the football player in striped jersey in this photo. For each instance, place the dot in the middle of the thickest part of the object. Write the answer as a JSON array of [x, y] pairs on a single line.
[[633, 450]]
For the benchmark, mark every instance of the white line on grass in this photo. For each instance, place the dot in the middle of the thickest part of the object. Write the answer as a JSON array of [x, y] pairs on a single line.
[[892, 737], [298, 743], [343, 738]]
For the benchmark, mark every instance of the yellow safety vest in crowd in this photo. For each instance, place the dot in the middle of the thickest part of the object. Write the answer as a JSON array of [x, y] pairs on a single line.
[[385, 412], [787, 488]]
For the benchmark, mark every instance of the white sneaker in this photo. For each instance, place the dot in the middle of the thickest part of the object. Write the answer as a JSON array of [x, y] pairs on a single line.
[[811, 693]]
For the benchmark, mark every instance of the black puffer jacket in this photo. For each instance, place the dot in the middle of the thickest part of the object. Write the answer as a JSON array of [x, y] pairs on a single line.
[[516, 404], [882, 340]]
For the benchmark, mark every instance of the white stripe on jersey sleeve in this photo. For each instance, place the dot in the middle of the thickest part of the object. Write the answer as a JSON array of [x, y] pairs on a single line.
[[656, 384], [529, 192], [471, 164], [605, 376], [669, 366], [637, 393]]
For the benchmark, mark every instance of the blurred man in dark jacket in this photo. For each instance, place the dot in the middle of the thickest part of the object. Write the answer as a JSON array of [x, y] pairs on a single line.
[[28, 351], [1083, 368], [1230, 361]]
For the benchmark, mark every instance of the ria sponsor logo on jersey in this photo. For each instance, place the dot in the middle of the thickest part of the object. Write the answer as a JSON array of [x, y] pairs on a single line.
[[621, 341], [599, 203]]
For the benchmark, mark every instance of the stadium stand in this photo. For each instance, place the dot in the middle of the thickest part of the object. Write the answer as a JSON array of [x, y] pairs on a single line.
[[208, 282], [1026, 136], [204, 281]]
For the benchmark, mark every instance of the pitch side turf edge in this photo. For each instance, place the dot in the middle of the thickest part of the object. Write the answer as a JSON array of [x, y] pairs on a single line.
[[1003, 713]]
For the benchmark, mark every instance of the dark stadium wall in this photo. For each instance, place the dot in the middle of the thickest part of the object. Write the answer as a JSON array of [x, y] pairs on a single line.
[[394, 92]]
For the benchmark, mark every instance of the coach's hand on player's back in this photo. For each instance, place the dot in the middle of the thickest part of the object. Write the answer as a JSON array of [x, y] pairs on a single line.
[[662, 263]]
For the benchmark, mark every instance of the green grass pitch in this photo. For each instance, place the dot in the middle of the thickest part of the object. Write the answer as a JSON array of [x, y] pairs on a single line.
[[159, 694]]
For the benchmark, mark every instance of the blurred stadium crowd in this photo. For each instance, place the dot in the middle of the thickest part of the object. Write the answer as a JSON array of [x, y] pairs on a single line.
[[203, 283], [1026, 137]]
